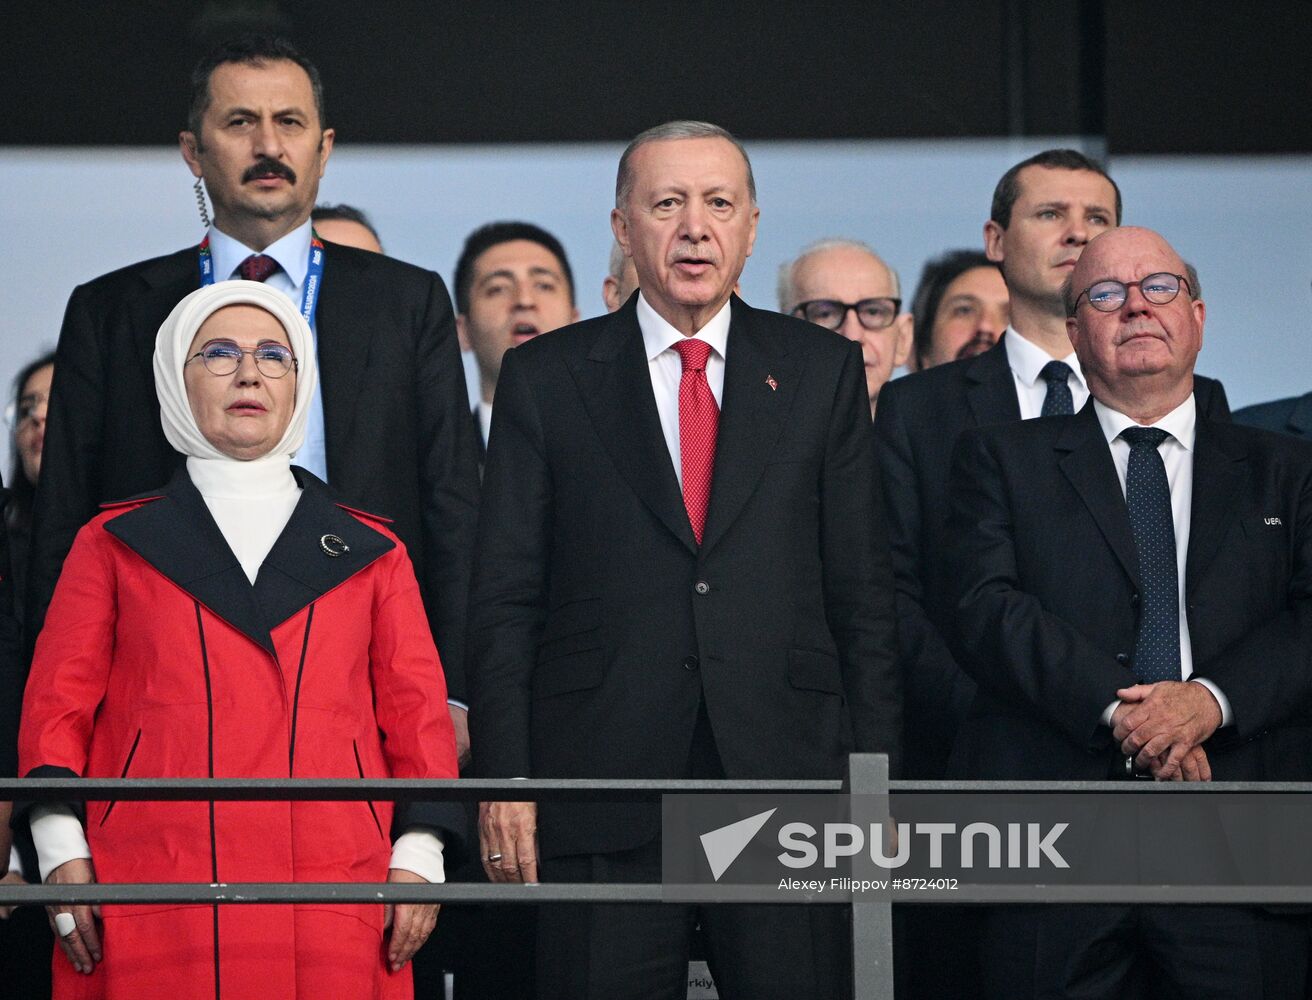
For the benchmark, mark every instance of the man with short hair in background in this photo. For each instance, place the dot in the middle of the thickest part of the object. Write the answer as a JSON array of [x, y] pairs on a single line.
[[512, 283], [347, 226], [680, 573], [621, 279], [845, 286], [1134, 594]]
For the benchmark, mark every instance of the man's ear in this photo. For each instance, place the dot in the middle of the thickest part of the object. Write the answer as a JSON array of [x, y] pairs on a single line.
[[902, 346], [993, 234], [189, 146], [619, 226], [462, 334]]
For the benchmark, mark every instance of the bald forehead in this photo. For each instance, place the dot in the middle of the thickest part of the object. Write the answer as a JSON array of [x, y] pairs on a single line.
[[832, 270], [1126, 254]]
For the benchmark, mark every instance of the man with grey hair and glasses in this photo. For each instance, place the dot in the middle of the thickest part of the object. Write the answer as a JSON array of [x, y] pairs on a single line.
[[1133, 586], [680, 573], [844, 286]]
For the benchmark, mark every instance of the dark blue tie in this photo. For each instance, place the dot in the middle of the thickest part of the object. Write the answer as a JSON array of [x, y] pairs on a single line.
[[1058, 401], [1148, 495]]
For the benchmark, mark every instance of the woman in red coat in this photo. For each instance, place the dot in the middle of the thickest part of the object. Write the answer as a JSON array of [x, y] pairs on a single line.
[[237, 623]]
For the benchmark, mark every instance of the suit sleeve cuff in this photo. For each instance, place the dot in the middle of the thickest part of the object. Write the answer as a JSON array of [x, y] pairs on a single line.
[[58, 836], [1227, 716], [419, 850]]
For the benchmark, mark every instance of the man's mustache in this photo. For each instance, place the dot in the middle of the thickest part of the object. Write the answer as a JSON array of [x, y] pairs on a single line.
[[977, 344], [266, 166]]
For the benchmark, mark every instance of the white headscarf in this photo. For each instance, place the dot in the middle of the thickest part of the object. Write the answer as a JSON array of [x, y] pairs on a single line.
[[173, 346]]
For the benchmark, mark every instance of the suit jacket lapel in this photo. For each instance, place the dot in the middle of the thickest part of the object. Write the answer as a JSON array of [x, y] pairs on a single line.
[[1218, 478], [300, 568], [1089, 467], [992, 394], [342, 338], [751, 417], [169, 280], [615, 385], [177, 535]]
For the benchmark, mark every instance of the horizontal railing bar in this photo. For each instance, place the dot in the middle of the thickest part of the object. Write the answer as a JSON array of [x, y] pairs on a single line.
[[560, 892], [1104, 785], [327, 892], [549, 789], [399, 789]]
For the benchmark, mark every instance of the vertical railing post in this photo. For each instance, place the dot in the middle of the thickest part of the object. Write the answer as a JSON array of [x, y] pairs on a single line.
[[872, 914]]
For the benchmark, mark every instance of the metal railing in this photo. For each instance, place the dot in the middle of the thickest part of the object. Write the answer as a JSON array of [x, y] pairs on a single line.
[[872, 937]]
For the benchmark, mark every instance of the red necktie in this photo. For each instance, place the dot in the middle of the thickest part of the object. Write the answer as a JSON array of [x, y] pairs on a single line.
[[699, 419], [257, 267]]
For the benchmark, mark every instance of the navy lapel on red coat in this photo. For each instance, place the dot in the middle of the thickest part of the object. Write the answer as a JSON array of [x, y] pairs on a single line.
[[177, 535], [760, 379], [615, 385], [992, 393], [301, 566], [1088, 465]]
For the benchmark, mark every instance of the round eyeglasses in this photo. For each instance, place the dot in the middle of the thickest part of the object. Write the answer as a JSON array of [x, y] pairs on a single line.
[[873, 314], [223, 357], [1108, 296]]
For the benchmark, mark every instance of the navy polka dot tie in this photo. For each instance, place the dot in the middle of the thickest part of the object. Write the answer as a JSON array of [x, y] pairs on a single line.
[[1058, 401], [1148, 495]]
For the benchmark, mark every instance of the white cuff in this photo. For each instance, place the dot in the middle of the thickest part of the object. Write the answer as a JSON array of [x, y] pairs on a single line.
[[1227, 716], [419, 850], [457, 703], [58, 836], [1108, 712]]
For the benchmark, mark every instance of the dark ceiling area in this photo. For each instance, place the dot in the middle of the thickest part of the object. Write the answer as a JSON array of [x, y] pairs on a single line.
[[1166, 77]]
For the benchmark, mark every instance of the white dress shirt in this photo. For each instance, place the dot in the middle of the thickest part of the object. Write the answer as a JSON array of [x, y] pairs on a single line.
[[665, 365], [484, 411], [1177, 452], [1026, 361], [292, 253]]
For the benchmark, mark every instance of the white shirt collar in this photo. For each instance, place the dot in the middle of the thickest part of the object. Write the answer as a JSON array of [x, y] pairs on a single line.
[[659, 336], [1181, 423], [1026, 359], [292, 253]]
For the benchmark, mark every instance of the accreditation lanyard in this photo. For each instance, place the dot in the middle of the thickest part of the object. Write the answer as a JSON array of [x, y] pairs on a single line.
[[313, 274]]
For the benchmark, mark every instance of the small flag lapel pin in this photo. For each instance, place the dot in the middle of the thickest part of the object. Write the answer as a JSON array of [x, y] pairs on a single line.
[[769, 380]]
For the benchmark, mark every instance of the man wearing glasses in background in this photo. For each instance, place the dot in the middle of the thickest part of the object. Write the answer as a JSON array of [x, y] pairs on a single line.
[[1134, 595], [844, 286]]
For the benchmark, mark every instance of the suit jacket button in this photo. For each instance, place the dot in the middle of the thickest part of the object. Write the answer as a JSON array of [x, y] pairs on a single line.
[[1122, 658], [702, 587], [1134, 600], [691, 663]]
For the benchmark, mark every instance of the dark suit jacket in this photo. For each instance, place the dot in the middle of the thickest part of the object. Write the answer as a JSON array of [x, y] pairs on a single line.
[[1047, 583], [1289, 416], [11, 656], [598, 625], [918, 421], [396, 417]]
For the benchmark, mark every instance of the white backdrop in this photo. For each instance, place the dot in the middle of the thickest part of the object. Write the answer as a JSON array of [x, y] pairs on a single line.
[[67, 215]]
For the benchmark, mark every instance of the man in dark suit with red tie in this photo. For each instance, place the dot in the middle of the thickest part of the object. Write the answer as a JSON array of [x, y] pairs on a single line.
[[390, 427], [680, 572], [1134, 594]]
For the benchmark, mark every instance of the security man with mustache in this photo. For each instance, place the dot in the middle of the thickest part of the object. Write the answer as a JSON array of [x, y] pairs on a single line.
[[406, 448]]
